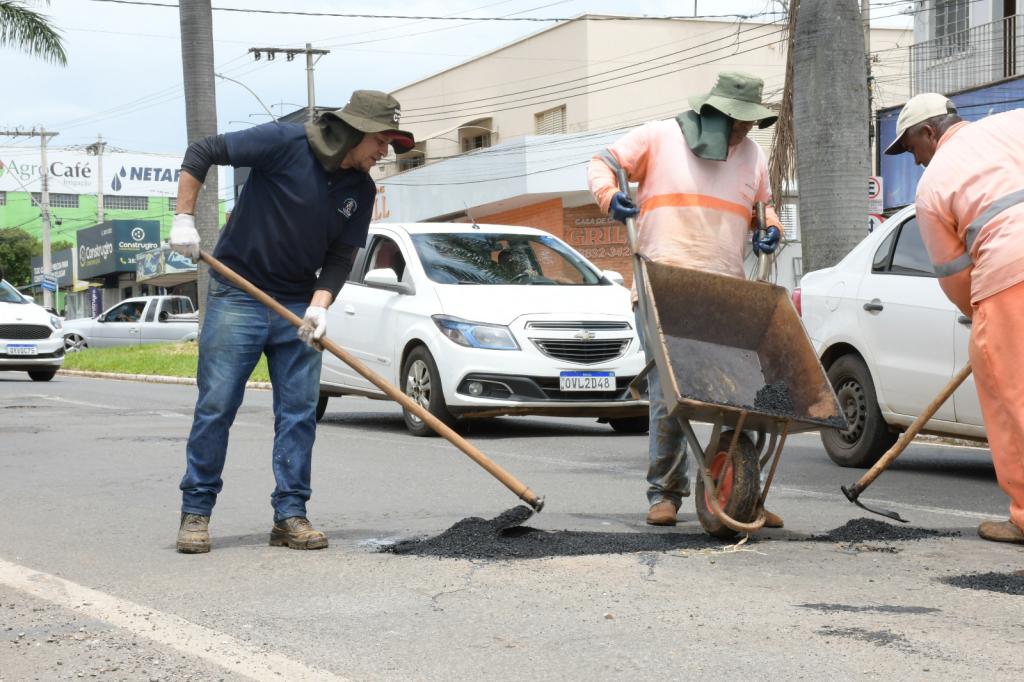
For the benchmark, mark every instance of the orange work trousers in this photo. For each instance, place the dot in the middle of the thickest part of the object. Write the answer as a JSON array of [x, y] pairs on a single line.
[[997, 358]]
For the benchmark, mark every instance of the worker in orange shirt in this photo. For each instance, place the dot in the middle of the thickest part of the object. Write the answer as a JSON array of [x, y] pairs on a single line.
[[970, 207]]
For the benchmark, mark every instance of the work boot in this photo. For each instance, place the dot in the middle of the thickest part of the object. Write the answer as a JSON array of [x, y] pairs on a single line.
[[194, 534], [297, 532], [772, 520], [1001, 531], [662, 514]]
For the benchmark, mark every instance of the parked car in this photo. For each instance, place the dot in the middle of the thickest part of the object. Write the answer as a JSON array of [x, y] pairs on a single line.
[[890, 340], [30, 337], [133, 321], [482, 320]]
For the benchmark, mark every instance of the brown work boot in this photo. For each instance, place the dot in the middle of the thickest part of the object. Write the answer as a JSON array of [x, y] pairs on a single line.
[[297, 532], [772, 520], [194, 534], [1001, 531], [662, 514]]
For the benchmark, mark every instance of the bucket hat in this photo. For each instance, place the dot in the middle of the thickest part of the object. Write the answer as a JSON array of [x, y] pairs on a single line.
[[371, 111], [738, 96]]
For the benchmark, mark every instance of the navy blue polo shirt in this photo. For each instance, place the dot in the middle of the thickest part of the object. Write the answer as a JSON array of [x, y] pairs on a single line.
[[290, 212]]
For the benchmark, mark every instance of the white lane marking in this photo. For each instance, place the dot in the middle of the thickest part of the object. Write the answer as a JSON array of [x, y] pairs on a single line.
[[944, 511], [58, 399], [166, 629]]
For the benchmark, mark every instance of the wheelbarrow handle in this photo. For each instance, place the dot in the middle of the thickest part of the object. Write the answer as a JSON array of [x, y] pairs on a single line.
[[494, 469]]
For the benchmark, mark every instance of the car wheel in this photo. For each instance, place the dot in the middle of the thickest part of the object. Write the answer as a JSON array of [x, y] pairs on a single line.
[[321, 407], [631, 424], [421, 382], [74, 342], [868, 436], [42, 375]]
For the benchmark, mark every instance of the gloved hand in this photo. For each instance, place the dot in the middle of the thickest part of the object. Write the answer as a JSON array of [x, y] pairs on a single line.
[[314, 325], [768, 243], [185, 237], [622, 207]]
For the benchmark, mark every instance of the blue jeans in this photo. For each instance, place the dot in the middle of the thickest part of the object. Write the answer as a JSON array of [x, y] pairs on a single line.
[[666, 446], [237, 329]]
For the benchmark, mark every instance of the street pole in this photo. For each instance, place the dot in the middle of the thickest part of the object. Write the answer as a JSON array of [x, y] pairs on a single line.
[[97, 149], [290, 53], [865, 15], [45, 207], [43, 203], [309, 81]]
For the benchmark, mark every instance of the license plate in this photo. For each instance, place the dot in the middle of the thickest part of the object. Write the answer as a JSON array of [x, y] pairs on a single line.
[[21, 349], [586, 381]]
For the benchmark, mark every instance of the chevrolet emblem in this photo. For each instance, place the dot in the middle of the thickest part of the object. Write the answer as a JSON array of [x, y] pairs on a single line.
[[584, 335]]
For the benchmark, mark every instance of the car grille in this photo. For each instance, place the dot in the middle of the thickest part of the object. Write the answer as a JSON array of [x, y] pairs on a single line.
[[591, 325], [24, 331], [584, 352]]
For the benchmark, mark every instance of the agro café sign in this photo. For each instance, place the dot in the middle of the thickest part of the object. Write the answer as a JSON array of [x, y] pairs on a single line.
[[112, 246], [75, 172]]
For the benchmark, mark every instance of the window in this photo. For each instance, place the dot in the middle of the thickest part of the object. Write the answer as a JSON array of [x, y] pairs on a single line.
[[172, 204], [951, 26], [476, 142], [3, 198], [909, 256], [550, 122], [386, 254], [126, 312], [123, 203], [56, 200], [476, 134], [412, 160]]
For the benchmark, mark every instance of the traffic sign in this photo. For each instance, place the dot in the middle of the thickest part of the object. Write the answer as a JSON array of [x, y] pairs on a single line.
[[874, 221], [49, 285], [875, 194]]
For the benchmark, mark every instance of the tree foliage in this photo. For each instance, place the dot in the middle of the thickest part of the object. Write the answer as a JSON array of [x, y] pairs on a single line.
[[16, 250], [30, 31]]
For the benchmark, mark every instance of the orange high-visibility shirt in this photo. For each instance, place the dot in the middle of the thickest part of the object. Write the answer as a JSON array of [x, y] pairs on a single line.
[[977, 169], [694, 213]]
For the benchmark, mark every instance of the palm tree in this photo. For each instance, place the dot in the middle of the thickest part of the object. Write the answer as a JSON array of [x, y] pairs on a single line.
[[30, 31], [830, 116], [196, 18]]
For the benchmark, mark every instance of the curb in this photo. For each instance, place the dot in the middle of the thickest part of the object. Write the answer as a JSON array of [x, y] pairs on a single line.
[[150, 378]]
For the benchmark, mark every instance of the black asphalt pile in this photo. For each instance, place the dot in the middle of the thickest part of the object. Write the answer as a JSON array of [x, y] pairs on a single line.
[[503, 537], [868, 530], [775, 398], [1004, 583]]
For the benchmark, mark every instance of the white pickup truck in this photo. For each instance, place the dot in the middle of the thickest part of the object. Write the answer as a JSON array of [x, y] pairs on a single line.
[[133, 321]]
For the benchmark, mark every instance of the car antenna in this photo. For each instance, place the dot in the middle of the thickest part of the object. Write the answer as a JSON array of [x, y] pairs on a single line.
[[470, 215]]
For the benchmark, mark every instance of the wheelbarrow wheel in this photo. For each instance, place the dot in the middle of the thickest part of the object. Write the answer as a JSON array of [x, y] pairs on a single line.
[[736, 475]]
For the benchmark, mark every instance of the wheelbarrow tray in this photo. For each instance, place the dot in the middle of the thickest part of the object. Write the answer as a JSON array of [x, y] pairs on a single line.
[[730, 350]]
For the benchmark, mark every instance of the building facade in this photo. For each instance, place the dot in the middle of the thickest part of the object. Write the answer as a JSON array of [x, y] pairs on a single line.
[[506, 136]]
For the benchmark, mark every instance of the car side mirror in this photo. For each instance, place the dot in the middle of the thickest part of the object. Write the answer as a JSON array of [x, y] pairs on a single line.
[[386, 278], [614, 276], [102, 318]]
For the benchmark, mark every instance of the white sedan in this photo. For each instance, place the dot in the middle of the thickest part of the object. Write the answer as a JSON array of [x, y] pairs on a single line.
[[486, 320], [30, 337], [890, 340]]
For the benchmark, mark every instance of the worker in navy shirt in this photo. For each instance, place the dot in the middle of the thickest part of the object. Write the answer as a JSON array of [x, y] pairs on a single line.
[[301, 217]]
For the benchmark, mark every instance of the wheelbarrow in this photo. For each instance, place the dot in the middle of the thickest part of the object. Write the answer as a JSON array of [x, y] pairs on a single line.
[[732, 353]]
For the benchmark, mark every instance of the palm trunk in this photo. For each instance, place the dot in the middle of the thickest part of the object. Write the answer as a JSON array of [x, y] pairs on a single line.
[[196, 19], [830, 115]]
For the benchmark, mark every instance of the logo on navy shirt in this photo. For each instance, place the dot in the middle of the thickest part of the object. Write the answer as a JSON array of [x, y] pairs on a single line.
[[348, 208]]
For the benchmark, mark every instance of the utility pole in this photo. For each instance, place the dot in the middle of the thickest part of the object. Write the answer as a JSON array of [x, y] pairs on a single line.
[[96, 149], [290, 53], [44, 204], [196, 19], [865, 15]]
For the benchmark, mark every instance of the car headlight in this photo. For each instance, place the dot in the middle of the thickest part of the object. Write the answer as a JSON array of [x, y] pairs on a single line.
[[475, 334], [55, 322]]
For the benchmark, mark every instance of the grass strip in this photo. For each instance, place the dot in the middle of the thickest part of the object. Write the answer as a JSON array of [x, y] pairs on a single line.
[[161, 359]]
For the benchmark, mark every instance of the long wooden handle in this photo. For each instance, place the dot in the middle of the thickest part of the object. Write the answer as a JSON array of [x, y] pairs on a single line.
[[507, 479], [904, 440]]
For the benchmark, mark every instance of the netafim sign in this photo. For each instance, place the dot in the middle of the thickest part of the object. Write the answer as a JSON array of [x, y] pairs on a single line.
[[112, 246], [72, 171]]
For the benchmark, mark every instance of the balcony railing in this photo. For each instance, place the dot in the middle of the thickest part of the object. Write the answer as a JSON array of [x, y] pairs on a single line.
[[965, 59]]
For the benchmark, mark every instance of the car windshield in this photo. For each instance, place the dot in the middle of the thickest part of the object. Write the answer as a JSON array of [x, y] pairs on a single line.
[[460, 258], [9, 294]]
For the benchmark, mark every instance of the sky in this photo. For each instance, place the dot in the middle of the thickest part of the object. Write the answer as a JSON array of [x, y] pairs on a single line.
[[124, 77]]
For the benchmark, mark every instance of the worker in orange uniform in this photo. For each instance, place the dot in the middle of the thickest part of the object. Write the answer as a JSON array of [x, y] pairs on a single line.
[[970, 208], [700, 178]]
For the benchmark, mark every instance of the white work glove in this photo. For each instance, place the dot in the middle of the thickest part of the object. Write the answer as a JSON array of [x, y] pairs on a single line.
[[314, 325], [185, 237]]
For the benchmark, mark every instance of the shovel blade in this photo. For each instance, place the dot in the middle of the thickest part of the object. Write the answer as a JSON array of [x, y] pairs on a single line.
[[853, 495]]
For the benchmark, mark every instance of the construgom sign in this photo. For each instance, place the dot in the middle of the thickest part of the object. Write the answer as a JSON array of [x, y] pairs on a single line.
[[112, 246]]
